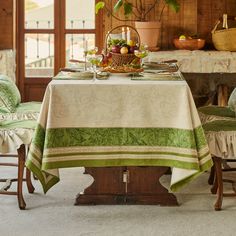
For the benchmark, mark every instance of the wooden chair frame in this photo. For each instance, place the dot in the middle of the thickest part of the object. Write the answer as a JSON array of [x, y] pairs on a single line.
[[216, 180], [21, 166]]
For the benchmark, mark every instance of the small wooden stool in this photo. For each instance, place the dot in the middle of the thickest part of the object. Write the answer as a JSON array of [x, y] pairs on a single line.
[[21, 166]]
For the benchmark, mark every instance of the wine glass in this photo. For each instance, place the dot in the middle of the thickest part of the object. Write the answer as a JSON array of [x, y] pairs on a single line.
[[141, 53], [95, 61], [89, 53]]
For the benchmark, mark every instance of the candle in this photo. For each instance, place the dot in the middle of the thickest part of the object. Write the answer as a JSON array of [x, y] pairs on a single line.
[[128, 34], [123, 33]]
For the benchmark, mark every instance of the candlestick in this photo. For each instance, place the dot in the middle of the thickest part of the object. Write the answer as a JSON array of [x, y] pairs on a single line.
[[123, 33], [85, 53], [128, 34], [86, 45]]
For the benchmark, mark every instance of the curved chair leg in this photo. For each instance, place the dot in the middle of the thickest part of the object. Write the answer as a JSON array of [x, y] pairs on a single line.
[[215, 185], [21, 166], [215, 182], [218, 170], [212, 175], [29, 182]]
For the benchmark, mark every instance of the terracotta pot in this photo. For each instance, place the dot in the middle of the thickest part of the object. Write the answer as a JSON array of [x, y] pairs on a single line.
[[149, 32]]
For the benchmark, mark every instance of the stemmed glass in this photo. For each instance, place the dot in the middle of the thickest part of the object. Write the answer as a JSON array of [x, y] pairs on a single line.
[[89, 53], [85, 59], [141, 53], [95, 61]]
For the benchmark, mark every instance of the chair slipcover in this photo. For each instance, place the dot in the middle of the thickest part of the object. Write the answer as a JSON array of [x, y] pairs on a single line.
[[219, 124]]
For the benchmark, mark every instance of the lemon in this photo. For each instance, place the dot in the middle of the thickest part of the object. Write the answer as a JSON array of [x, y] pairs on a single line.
[[131, 43], [182, 37]]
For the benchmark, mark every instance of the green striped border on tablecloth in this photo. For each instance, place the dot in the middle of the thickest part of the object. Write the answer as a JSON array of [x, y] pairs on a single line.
[[70, 147]]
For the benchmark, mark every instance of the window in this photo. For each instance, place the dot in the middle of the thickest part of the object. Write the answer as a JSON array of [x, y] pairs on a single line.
[[51, 32]]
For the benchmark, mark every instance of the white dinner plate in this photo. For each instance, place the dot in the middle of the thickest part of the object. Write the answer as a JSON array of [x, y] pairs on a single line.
[[81, 75]]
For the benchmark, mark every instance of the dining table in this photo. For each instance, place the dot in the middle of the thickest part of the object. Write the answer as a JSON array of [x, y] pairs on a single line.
[[126, 130]]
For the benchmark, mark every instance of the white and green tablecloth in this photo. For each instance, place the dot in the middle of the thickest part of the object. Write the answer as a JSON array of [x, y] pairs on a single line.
[[118, 122]]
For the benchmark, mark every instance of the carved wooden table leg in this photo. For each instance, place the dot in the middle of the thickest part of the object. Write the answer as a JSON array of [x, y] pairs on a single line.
[[21, 166], [144, 187], [126, 185], [108, 187], [218, 170]]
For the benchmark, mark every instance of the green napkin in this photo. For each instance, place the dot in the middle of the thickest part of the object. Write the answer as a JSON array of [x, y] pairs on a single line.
[[102, 75], [173, 67], [158, 76], [84, 75]]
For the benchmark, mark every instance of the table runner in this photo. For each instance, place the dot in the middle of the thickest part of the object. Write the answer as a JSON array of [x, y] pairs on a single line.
[[118, 122]]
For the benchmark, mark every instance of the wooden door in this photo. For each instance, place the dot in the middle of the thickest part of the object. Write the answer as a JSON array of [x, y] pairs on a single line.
[[49, 34]]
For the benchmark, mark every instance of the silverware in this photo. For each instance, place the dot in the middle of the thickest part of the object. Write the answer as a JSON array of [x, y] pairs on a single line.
[[156, 72], [162, 62]]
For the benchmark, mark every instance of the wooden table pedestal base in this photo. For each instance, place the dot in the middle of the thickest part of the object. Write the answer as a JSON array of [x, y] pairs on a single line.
[[126, 185]]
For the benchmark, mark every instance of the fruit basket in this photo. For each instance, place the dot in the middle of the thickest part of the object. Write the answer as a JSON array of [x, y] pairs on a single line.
[[119, 57], [224, 39]]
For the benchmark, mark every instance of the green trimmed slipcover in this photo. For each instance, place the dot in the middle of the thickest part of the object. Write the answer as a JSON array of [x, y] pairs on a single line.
[[9, 94], [219, 124], [24, 111], [15, 133]]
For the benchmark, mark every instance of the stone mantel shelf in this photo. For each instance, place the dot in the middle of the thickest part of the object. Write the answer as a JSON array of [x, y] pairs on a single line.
[[199, 61]]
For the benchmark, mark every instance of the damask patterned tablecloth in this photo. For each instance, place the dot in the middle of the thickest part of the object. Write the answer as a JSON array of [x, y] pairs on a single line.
[[118, 122]]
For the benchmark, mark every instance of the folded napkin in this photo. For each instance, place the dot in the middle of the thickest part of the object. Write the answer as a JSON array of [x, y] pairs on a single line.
[[102, 75], [165, 76], [70, 69], [69, 75], [171, 67]]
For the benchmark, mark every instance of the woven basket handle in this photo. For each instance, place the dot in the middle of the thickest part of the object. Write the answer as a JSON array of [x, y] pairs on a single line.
[[120, 26], [215, 27], [223, 19]]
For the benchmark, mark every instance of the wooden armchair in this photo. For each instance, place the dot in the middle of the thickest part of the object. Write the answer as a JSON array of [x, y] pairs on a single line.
[[219, 124]]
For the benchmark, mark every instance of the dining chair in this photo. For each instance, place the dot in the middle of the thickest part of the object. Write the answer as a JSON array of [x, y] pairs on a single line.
[[219, 124], [17, 124]]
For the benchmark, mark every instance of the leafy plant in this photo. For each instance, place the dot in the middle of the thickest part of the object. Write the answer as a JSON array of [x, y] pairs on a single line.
[[137, 8], [119, 42]]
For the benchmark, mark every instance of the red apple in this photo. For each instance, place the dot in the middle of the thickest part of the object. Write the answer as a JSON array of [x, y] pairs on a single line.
[[131, 49], [115, 49]]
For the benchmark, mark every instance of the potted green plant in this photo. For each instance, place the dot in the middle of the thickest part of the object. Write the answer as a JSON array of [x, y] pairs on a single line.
[[149, 30]]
